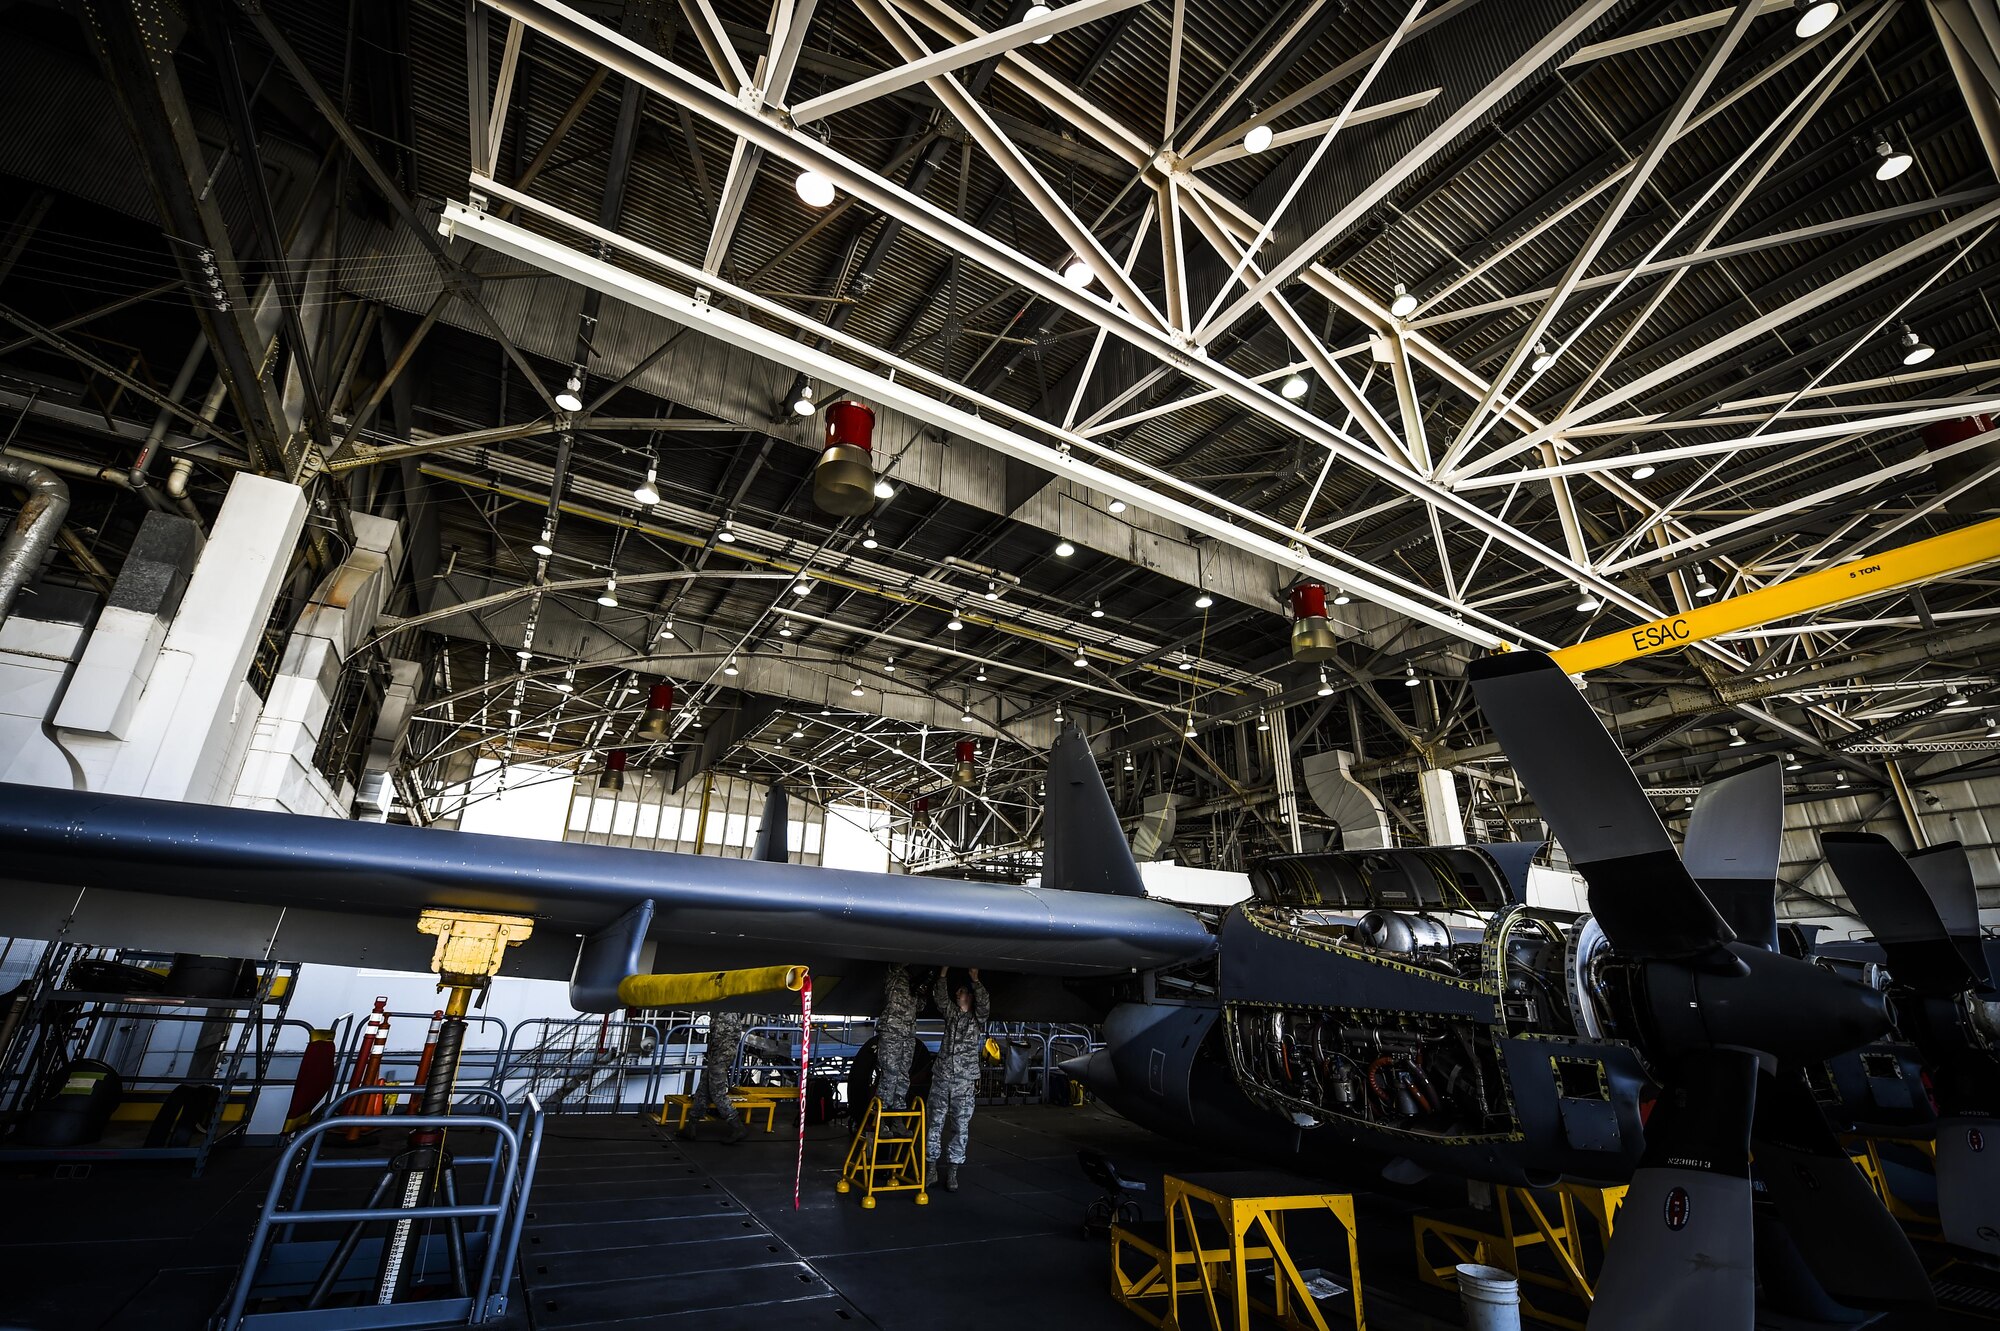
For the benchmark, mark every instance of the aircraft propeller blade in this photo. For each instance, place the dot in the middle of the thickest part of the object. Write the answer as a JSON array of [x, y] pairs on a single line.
[[1642, 895], [1846, 1238], [1734, 839], [1945, 870], [1681, 1253], [773, 835], [1892, 901]]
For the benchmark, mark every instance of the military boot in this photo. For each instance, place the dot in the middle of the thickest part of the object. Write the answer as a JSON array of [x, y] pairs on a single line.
[[737, 1131], [951, 1178]]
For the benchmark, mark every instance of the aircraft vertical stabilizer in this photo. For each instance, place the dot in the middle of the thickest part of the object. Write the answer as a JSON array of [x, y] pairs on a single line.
[[1083, 847]]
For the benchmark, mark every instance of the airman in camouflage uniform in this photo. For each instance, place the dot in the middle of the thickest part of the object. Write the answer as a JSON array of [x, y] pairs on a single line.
[[896, 1038], [955, 1077], [725, 1033]]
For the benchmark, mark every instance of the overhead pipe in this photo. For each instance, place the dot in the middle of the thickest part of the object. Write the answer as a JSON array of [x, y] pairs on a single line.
[[27, 544]]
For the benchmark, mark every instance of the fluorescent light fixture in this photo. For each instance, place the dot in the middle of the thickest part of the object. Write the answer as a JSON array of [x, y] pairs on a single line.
[[1402, 304], [1257, 138], [815, 188], [1294, 387]]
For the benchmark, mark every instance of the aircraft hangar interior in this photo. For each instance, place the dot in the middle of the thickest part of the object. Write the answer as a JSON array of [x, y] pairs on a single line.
[[991, 663]]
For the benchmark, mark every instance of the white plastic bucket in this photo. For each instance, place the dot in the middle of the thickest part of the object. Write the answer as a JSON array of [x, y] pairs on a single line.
[[1491, 1296]]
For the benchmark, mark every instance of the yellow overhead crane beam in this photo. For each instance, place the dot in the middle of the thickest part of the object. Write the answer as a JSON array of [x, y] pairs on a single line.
[[1905, 566]]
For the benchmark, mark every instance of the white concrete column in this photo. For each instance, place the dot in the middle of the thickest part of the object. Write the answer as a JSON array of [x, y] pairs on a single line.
[[1444, 823], [186, 735]]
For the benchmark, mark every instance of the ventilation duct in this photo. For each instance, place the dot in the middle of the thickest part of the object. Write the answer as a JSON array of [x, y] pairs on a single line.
[[1329, 777], [26, 547]]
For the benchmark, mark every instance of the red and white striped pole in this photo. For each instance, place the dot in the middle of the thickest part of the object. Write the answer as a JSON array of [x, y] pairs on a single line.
[[805, 1065]]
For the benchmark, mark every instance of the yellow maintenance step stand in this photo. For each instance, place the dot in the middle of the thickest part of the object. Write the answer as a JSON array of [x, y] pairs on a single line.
[[1208, 1245], [1573, 1238], [887, 1155]]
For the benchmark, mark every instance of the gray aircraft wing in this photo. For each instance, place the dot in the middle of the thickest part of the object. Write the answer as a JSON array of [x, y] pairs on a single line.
[[121, 871]]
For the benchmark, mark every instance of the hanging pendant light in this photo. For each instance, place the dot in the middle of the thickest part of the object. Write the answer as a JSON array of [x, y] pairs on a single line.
[[1410, 680], [571, 397], [1815, 16], [647, 492], [1325, 685], [1702, 586], [815, 187], [609, 596], [844, 476], [1402, 304], [1257, 138], [1294, 387], [545, 544]]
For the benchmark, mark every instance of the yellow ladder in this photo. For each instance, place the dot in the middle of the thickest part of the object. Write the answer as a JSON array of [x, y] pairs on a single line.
[[887, 1161]]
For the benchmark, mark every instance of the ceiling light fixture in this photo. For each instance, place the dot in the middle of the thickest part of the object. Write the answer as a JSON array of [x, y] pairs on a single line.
[[609, 596], [1116, 506], [1263, 719], [1543, 358], [1203, 601], [815, 187], [784, 630], [992, 591], [1064, 549], [648, 491], [1294, 387], [981, 676], [1915, 350], [803, 586], [1589, 604], [1815, 16], [1953, 698], [667, 629], [884, 490], [1097, 609], [1130, 766], [1890, 161], [727, 534], [802, 401], [1402, 304], [571, 399], [1410, 680], [856, 691], [1037, 10], [1993, 727], [955, 623], [1257, 138], [545, 545], [1325, 684], [868, 541], [889, 666], [1081, 660], [1643, 470], [1702, 586], [1736, 741], [1189, 732], [1340, 597], [1792, 763], [1078, 273], [730, 669]]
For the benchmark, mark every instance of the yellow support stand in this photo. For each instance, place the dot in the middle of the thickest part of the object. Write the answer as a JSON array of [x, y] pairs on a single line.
[[1919, 1224], [892, 1161], [1574, 1237], [1211, 1240]]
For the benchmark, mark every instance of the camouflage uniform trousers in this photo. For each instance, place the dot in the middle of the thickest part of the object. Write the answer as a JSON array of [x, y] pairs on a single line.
[[725, 1033], [896, 1039], [954, 1089]]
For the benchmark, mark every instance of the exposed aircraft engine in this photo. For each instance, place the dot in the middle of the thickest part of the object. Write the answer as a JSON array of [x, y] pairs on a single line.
[[1399, 931]]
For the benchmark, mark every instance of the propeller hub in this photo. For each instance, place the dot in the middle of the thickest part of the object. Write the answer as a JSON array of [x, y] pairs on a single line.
[[1782, 1006]]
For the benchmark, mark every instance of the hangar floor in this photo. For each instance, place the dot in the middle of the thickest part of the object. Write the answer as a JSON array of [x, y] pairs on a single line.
[[633, 1232]]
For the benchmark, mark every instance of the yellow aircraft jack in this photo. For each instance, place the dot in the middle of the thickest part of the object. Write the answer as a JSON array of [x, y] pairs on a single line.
[[887, 1155], [1573, 1238]]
